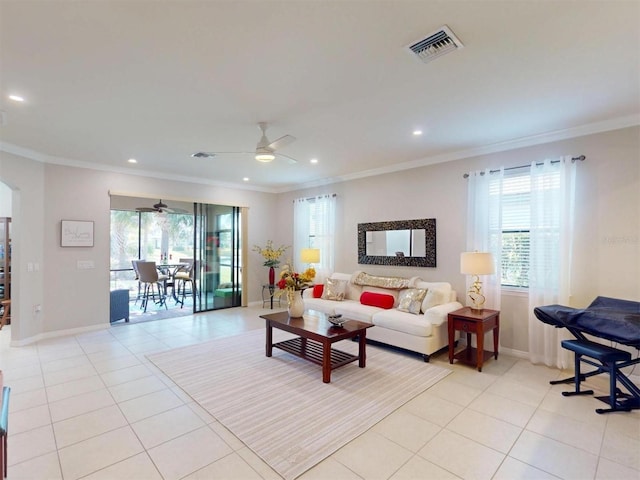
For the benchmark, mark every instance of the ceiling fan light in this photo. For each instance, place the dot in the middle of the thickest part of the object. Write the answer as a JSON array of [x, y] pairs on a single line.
[[265, 157]]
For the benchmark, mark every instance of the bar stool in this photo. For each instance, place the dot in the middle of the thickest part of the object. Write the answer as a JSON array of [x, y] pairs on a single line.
[[4, 426], [6, 310]]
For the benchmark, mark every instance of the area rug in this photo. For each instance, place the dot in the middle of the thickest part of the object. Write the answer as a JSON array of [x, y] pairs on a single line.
[[280, 408]]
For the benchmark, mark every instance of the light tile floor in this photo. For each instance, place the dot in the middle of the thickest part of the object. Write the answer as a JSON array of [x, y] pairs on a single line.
[[91, 406]]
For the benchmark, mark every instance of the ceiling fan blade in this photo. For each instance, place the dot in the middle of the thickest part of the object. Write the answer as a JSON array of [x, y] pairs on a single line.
[[281, 142], [236, 153], [146, 209], [290, 160]]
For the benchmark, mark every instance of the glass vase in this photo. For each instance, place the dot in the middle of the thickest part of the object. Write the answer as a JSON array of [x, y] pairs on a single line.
[[272, 276]]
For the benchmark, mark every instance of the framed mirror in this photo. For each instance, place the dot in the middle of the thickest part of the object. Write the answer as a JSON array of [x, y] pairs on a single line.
[[409, 243]]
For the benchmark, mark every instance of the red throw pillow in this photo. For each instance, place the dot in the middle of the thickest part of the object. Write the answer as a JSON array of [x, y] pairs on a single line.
[[317, 290], [377, 300]]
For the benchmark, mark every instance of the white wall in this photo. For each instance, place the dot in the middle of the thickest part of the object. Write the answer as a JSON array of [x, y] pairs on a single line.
[[607, 243], [5, 200], [607, 239], [72, 298], [26, 179]]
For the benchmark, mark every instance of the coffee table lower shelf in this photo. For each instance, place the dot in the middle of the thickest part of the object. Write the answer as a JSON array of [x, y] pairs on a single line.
[[312, 351]]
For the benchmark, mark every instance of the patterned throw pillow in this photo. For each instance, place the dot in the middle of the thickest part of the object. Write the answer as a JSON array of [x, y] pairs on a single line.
[[334, 289], [410, 300]]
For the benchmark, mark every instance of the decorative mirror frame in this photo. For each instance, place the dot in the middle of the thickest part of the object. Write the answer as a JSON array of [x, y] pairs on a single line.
[[428, 224]]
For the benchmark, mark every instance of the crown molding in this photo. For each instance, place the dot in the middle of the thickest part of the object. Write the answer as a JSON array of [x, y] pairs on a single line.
[[539, 139], [44, 158], [547, 137]]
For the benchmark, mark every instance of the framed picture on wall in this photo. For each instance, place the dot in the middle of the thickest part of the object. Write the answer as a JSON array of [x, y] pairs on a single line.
[[76, 233]]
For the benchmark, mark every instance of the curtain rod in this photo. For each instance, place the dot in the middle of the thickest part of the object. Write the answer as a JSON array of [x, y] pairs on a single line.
[[574, 159], [315, 198]]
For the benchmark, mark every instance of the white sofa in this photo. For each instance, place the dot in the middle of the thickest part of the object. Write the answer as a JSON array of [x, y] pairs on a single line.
[[424, 333]]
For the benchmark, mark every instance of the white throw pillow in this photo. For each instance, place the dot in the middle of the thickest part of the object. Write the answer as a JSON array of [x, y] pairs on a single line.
[[435, 296]]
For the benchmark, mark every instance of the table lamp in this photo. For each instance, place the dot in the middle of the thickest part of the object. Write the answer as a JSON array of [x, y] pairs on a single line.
[[476, 264], [310, 255]]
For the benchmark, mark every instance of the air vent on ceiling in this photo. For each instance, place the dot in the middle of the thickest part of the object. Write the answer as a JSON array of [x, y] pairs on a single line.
[[203, 155], [435, 45]]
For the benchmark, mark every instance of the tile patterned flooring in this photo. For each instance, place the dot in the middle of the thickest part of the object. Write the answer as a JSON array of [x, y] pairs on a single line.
[[91, 406]]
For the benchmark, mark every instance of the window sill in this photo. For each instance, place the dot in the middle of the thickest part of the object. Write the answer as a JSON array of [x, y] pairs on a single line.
[[514, 291]]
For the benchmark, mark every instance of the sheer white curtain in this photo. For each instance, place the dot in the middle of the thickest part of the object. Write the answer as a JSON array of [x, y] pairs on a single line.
[[551, 235], [314, 226], [484, 230], [301, 221]]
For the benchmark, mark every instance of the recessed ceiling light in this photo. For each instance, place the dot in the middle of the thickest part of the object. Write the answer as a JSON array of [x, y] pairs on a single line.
[[417, 132], [16, 98], [314, 160], [245, 179], [132, 160]]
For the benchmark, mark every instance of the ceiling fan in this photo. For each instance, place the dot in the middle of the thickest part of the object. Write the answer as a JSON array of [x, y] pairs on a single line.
[[160, 208], [266, 150]]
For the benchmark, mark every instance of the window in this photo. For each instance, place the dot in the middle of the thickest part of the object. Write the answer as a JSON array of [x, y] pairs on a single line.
[[314, 224], [513, 221], [514, 229], [149, 236]]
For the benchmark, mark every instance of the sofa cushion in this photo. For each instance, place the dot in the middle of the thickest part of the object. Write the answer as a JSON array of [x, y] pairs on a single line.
[[334, 289], [381, 300], [317, 290], [320, 305], [438, 293], [356, 311], [395, 319], [410, 300]]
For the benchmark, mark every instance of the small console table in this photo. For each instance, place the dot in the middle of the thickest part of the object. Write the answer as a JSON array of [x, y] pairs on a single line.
[[471, 321], [268, 295]]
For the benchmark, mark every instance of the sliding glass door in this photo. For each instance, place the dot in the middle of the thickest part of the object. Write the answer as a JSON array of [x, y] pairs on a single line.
[[217, 241]]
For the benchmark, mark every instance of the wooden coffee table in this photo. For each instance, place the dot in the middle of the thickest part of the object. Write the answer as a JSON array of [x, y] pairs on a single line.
[[315, 336]]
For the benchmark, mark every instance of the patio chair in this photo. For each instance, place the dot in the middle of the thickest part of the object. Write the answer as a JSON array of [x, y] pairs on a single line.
[[119, 305], [186, 276], [152, 281], [134, 264]]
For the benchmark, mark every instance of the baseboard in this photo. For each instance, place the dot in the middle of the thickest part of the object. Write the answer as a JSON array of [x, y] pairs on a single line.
[[57, 333], [514, 353]]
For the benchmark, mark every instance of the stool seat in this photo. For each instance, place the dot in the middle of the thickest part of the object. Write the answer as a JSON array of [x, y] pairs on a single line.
[[598, 351]]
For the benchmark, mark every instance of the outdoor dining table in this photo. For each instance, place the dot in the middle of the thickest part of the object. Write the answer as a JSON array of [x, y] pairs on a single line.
[[170, 269]]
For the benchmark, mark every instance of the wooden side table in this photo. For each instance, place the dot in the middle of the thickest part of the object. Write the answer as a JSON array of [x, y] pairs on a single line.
[[471, 321]]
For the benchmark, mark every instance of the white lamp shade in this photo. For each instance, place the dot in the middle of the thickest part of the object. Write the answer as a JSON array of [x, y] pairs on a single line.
[[310, 255], [476, 263]]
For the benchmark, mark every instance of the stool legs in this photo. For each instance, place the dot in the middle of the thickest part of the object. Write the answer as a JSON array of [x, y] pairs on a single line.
[[577, 380]]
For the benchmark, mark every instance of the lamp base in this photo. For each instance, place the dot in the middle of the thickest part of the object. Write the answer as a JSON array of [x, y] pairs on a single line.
[[476, 296]]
